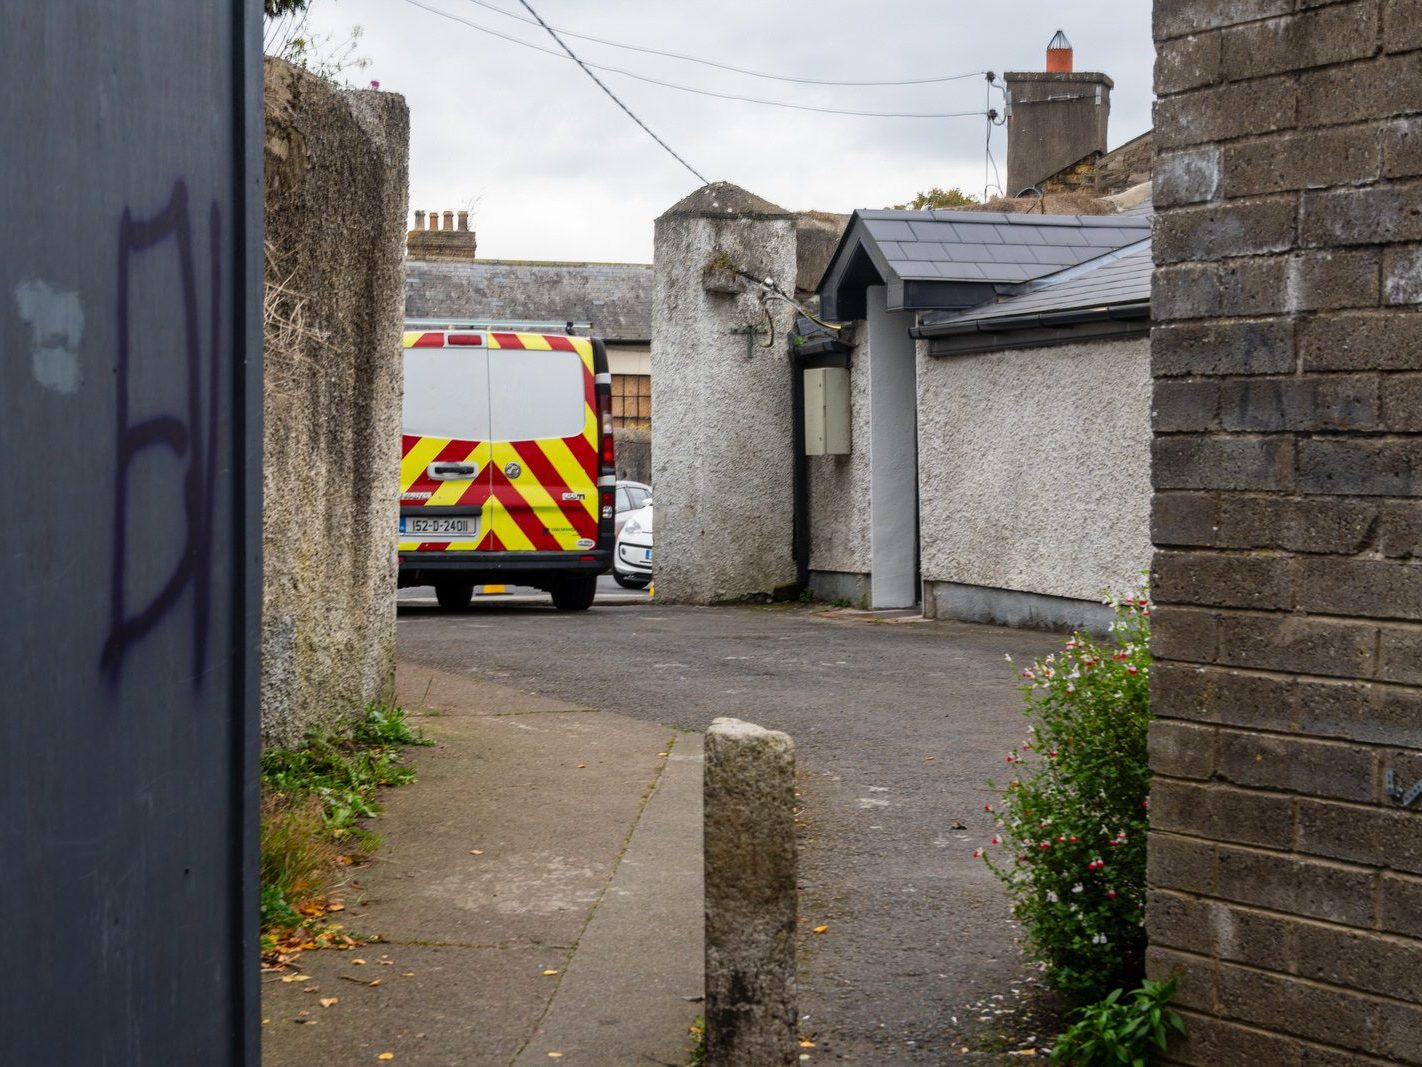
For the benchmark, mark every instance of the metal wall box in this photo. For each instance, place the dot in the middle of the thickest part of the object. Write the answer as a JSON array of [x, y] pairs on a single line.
[[827, 411]]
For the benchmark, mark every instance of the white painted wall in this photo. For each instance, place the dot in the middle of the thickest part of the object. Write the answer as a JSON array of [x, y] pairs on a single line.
[[893, 462], [1035, 467]]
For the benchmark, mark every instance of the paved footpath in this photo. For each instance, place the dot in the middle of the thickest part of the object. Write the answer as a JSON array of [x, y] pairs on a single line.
[[538, 896]]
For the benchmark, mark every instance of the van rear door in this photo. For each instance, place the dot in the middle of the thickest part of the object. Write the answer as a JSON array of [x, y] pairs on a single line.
[[543, 432], [445, 478]]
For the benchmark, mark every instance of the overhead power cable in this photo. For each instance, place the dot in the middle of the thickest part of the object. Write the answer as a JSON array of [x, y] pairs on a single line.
[[727, 66], [700, 177], [589, 66]]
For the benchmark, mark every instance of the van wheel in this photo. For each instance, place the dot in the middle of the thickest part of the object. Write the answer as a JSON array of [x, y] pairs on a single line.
[[575, 593], [453, 596]]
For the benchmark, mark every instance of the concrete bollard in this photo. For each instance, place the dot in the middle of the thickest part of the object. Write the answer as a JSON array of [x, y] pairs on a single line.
[[749, 850]]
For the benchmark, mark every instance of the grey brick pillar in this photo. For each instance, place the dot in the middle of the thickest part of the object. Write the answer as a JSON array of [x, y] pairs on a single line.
[[1286, 874]]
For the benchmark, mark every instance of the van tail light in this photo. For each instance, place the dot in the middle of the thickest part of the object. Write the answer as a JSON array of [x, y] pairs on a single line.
[[604, 413]]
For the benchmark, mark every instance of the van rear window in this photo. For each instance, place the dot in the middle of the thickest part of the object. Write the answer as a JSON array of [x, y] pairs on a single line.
[[536, 394], [447, 393]]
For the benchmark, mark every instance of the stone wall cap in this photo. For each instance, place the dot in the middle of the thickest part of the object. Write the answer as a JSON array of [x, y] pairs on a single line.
[[720, 200]]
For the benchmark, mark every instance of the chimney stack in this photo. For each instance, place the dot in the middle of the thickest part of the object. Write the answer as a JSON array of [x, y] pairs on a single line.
[[1056, 122], [447, 244]]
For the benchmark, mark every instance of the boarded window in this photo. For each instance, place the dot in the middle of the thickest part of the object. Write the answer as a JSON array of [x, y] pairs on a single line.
[[632, 401]]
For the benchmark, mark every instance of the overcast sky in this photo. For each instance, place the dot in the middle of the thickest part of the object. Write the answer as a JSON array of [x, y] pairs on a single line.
[[552, 169]]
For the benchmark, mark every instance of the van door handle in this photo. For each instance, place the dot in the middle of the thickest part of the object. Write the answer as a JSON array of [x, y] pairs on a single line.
[[448, 472]]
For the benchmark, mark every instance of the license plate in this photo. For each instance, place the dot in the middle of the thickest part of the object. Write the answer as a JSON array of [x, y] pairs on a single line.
[[409, 524]]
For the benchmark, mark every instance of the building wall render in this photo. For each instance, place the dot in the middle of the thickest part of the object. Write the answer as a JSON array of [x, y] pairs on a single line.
[[1034, 468]]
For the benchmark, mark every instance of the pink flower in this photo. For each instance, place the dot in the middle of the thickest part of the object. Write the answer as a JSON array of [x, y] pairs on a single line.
[[987, 807], [997, 840], [1110, 894], [977, 853]]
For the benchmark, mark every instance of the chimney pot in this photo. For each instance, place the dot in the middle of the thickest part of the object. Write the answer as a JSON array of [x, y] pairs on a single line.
[[449, 220], [464, 220], [1059, 54], [419, 220], [434, 220]]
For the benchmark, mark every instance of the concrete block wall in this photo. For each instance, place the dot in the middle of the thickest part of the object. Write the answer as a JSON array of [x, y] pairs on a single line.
[[1286, 876]]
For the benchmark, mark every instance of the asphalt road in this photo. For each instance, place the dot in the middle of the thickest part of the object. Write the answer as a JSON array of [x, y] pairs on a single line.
[[897, 728]]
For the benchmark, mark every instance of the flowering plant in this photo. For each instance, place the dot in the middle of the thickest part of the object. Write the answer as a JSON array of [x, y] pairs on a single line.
[[1072, 819]]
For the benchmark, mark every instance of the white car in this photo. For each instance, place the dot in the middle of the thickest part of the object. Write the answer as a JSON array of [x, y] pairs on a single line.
[[632, 557]]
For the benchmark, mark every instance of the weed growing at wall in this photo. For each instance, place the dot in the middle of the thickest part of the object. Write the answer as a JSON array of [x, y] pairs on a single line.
[[1071, 846], [314, 799], [1121, 1030]]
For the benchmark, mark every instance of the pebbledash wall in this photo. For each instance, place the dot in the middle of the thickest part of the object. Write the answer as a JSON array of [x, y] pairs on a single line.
[[1016, 528], [1034, 481], [336, 180], [721, 439], [1285, 866]]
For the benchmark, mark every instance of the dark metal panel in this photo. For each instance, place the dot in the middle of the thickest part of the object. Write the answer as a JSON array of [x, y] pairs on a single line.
[[130, 451]]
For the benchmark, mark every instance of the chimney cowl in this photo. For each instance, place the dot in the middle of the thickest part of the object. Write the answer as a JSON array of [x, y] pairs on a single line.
[[1059, 54]]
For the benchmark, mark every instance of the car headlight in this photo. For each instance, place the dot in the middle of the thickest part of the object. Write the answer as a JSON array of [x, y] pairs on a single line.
[[633, 526]]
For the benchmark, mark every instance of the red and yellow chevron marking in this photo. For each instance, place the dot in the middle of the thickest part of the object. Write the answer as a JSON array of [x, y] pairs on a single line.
[[526, 512]]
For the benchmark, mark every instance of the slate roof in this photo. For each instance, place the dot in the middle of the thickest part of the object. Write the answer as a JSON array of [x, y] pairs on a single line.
[[946, 259], [616, 298], [1115, 279]]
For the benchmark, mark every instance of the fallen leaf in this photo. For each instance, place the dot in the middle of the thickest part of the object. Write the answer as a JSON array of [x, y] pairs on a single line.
[[326, 1002], [357, 962], [555, 1055], [407, 974], [929, 759], [821, 929], [335, 905], [550, 971], [581, 766], [311, 989], [476, 852], [805, 1042], [373, 983], [265, 1021], [386, 1056]]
